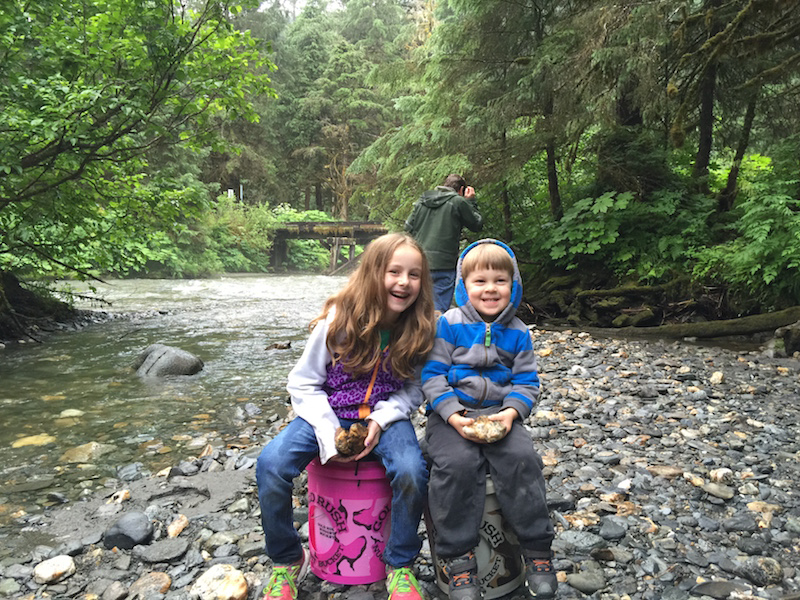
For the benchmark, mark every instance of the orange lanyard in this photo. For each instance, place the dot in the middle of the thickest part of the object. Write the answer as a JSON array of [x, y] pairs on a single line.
[[364, 408]]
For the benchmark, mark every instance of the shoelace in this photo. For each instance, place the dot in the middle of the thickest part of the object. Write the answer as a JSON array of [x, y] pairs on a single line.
[[280, 574], [460, 579], [401, 581], [542, 565]]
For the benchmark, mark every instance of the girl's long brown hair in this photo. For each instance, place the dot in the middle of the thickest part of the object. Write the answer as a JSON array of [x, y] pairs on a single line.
[[354, 332]]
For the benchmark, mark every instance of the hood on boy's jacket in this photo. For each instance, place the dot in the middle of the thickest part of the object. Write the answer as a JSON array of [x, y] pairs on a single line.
[[462, 298]]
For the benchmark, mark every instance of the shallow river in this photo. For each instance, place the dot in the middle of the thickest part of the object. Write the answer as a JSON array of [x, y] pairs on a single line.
[[229, 322]]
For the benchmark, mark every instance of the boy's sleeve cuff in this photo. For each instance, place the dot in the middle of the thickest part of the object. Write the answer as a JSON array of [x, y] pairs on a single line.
[[522, 408], [448, 406]]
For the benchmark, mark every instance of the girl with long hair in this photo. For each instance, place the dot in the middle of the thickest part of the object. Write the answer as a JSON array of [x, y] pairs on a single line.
[[360, 365]]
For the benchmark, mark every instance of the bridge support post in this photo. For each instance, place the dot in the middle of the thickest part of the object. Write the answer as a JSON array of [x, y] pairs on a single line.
[[279, 248], [336, 244], [334, 253]]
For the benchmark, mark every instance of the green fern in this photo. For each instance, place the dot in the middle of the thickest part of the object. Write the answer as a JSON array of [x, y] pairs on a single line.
[[763, 262]]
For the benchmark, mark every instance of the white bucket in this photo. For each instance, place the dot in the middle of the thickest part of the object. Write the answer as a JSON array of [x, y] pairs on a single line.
[[501, 569]]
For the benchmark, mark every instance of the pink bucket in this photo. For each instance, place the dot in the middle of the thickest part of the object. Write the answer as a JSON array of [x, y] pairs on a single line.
[[349, 505]]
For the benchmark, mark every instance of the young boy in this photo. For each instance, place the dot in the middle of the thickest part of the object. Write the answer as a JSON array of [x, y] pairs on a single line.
[[483, 363]]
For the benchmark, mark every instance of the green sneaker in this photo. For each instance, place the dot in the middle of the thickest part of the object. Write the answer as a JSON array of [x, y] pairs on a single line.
[[284, 580], [401, 584]]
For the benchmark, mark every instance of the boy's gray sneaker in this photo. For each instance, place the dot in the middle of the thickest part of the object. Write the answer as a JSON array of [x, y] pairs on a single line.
[[540, 576], [462, 571]]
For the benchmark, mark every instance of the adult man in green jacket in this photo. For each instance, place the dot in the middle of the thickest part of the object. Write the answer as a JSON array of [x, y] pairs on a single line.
[[436, 222]]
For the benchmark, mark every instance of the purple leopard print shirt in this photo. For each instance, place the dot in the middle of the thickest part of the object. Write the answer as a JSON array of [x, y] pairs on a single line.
[[346, 393]]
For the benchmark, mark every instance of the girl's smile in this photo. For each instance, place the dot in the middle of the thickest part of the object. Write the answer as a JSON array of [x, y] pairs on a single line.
[[402, 281]]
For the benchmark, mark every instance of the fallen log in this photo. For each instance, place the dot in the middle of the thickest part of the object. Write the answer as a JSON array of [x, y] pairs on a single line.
[[709, 329], [631, 290]]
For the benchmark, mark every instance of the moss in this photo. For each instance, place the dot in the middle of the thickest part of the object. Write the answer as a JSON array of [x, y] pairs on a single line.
[[644, 318], [622, 320], [564, 282], [612, 303]]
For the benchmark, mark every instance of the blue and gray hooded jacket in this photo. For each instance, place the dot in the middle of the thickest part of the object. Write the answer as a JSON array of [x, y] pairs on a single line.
[[475, 364]]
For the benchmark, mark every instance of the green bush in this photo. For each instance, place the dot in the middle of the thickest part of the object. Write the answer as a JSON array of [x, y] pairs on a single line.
[[231, 237], [761, 265], [641, 240]]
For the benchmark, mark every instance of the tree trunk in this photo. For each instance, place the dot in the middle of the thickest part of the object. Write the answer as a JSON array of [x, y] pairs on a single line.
[[727, 196], [556, 210], [307, 198], [318, 197], [708, 83], [706, 129], [628, 113], [504, 196], [506, 212], [709, 329]]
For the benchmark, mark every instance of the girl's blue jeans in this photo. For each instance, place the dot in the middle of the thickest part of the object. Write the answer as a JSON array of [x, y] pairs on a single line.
[[285, 457]]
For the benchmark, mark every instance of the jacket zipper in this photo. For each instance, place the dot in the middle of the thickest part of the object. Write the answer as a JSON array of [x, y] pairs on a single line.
[[487, 342]]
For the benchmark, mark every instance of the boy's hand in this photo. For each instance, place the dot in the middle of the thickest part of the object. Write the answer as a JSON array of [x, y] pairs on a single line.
[[458, 421], [507, 416]]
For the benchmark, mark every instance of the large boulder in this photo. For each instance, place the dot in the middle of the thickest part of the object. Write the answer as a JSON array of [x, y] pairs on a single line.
[[158, 360], [130, 530]]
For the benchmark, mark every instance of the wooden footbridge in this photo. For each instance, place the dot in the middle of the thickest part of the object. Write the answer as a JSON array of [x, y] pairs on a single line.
[[333, 235]]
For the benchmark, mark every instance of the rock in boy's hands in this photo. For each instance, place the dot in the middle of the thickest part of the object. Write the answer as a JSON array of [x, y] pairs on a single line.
[[458, 422], [507, 416]]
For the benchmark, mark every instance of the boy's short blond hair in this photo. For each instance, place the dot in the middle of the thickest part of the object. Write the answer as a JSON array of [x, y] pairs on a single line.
[[487, 256]]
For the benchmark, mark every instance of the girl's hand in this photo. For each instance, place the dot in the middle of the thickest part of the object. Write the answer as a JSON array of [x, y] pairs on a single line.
[[373, 437], [458, 422]]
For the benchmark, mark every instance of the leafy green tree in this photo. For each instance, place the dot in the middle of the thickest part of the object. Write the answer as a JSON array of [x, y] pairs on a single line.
[[328, 107], [731, 55], [87, 89], [303, 53], [477, 101], [251, 163]]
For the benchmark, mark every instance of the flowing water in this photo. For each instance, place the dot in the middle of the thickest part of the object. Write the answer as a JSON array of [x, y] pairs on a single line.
[[78, 387]]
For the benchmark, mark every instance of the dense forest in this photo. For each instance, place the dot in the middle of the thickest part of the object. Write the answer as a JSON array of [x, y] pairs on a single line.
[[643, 158]]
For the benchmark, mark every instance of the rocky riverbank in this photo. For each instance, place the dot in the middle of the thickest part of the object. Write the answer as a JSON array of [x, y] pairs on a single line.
[[673, 472]]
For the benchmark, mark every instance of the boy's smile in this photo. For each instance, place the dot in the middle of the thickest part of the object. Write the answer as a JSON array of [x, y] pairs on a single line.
[[489, 291]]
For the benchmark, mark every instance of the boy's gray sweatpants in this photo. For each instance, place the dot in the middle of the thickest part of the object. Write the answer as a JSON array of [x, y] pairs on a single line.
[[457, 487]]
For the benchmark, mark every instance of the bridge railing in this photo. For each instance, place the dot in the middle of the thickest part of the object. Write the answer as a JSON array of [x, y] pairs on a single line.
[[320, 230], [333, 235]]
